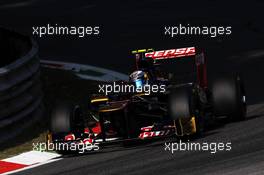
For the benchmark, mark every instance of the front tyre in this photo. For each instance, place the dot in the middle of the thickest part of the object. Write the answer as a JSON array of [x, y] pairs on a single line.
[[66, 118]]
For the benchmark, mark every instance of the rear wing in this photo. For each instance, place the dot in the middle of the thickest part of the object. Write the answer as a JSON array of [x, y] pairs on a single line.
[[156, 56], [171, 53]]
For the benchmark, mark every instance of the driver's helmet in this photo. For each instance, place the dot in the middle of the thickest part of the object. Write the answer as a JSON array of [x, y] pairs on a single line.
[[139, 78]]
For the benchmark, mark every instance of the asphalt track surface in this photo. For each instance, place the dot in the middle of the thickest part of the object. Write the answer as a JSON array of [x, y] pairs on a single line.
[[140, 24]]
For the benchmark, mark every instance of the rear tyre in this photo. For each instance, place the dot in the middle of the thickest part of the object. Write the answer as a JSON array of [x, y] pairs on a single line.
[[183, 103], [229, 99]]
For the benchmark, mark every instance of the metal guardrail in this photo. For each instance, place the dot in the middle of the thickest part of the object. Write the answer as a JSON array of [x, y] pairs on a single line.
[[20, 87]]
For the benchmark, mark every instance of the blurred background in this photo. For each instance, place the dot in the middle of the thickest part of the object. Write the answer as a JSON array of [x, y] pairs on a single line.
[[129, 25]]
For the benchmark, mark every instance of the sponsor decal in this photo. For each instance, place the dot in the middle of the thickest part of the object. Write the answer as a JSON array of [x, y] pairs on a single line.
[[153, 134], [69, 137], [171, 53]]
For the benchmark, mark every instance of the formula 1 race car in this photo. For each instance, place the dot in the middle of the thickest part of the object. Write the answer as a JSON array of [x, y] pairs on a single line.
[[175, 104]]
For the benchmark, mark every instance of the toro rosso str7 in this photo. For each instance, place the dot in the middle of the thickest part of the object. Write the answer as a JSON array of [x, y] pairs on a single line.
[[181, 110]]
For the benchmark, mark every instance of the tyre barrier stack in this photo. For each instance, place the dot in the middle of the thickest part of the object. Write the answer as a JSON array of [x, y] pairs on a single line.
[[20, 87]]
